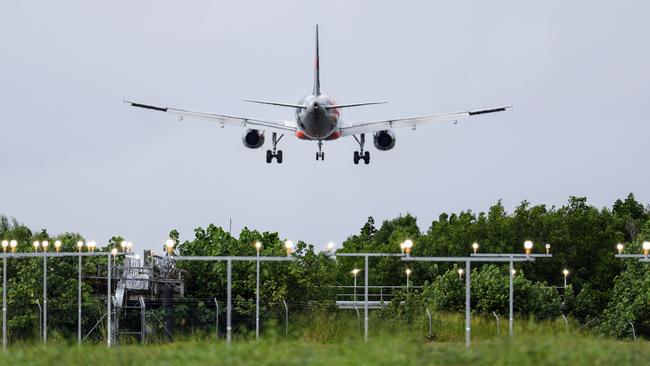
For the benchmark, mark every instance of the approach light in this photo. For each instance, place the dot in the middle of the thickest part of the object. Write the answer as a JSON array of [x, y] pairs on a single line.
[[408, 246], [57, 245], [169, 246], [258, 246], [548, 248], [114, 251], [123, 245], [330, 247], [45, 244], [565, 272], [355, 271], [528, 246], [91, 246], [5, 244], [288, 245], [129, 246], [620, 248], [13, 244], [80, 245], [514, 272], [646, 247], [37, 245], [475, 247], [408, 272], [460, 272]]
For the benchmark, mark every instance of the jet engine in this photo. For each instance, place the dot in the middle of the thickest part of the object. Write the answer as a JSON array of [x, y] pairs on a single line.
[[384, 140], [253, 139]]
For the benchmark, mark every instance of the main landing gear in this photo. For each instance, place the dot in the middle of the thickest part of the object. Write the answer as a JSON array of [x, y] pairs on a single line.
[[361, 155], [320, 155], [277, 154]]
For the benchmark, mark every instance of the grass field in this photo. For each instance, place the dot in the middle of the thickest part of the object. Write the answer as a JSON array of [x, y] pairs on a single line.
[[330, 339], [546, 350]]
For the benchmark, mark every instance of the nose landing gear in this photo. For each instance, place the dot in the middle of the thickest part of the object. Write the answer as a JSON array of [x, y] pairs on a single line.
[[277, 154], [361, 155], [320, 155]]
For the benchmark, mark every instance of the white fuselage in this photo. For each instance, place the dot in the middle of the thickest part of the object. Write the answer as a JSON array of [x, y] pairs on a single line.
[[316, 120]]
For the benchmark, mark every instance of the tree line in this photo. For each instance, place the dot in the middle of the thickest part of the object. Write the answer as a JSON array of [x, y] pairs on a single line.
[[602, 289]]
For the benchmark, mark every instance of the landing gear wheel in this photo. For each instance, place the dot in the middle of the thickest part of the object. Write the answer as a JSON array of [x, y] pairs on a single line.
[[277, 154], [361, 154]]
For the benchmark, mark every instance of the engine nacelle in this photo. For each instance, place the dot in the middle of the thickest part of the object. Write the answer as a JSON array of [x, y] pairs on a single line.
[[253, 139], [384, 140]]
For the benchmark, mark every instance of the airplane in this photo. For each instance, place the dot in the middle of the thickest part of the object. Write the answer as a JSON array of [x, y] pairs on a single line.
[[318, 118]]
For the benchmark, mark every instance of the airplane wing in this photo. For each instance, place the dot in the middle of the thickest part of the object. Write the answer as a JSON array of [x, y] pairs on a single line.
[[360, 128], [222, 119]]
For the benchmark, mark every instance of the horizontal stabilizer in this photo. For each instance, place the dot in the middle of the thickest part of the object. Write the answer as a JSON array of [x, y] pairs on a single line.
[[337, 106], [289, 105]]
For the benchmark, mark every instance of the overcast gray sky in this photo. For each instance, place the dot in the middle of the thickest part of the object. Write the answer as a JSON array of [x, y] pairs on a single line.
[[74, 158]]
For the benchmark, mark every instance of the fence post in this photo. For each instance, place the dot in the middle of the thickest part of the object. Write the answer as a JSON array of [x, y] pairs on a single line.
[[216, 303], [498, 324], [143, 320], [358, 317], [430, 323], [286, 318]]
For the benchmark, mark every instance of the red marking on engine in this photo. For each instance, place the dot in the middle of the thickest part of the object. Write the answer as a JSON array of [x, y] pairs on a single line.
[[335, 135], [301, 135]]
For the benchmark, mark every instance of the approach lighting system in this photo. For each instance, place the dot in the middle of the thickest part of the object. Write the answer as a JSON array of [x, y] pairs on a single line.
[[475, 247], [13, 244], [80, 245], [5, 245], [460, 272], [258, 246], [45, 244], [547, 246], [57, 246], [37, 244], [330, 247]]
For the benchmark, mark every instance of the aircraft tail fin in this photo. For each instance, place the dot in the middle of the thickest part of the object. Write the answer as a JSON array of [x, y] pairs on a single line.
[[316, 68]]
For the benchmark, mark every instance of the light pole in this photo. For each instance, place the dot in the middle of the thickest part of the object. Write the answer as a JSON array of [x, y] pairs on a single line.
[[5, 244], [408, 274], [565, 272], [354, 273], [258, 247], [80, 245], [44, 244]]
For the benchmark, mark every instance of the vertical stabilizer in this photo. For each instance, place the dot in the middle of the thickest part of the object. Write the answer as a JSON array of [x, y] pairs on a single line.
[[316, 68]]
